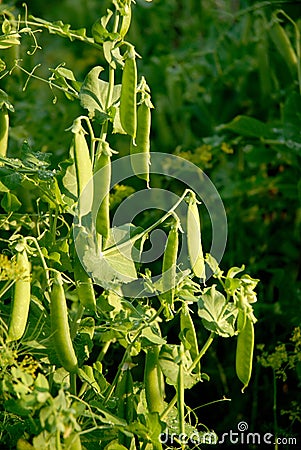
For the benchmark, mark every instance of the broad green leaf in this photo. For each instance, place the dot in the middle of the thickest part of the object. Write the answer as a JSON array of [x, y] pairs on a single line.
[[151, 337], [247, 126], [41, 382], [10, 202], [216, 314], [168, 361]]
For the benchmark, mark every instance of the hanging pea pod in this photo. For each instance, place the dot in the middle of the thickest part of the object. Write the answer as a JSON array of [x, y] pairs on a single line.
[[169, 266], [102, 188], [21, 299], [128, 96], [153, 381], [5, 105], [194, 239], [4, 125], [84, 286], [244, 353], [124, 392], [141, 146], [60, 326], [82, 160], [84, 173], [281, 41]]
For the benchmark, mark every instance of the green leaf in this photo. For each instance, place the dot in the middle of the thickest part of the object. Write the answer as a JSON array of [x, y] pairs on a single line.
[[169, 364], [63, 29], [216, 314], [10, 202], [93, 93], [151, 337], [41, 383], [247, 126]]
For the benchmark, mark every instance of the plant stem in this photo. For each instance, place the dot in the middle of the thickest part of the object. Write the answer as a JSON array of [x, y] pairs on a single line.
[[202, 352], [193, 365], [104, 350], [73, 383], [275, 408], [150, 228]]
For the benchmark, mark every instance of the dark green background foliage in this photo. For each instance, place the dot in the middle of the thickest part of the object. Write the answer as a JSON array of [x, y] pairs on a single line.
[[206, 62]]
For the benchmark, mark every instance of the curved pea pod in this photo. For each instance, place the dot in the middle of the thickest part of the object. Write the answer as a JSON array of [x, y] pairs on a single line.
[[169, 266], [153, 381], [141, 145], [84, 286], [21, 300], [188, 334], [282, 43], [244, 353], [60, 326], [102, 188], [79, 151], [124, 392], [4, 126], [128, 96], [194, 239]]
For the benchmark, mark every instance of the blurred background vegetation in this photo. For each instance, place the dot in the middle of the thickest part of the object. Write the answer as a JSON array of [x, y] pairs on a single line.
[[207, 62]]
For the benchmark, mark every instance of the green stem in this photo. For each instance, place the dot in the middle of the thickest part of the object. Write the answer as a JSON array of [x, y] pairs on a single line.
[[104, 350], [193, 365], [72, 383], [76, 321], [150, 228], [6, 287], [275, 408], [45, 267], [202, 352]]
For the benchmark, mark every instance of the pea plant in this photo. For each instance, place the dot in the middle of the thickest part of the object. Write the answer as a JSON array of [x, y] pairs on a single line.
[[66, 313]]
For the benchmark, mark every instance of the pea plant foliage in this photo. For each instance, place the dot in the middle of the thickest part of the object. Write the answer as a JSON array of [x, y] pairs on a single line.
[[67, 312]]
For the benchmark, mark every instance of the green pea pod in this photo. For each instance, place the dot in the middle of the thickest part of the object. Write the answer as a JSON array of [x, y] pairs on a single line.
[[84, 286], [244, 353], [21, 300], [102, 188], [4, 126], [82, 160], [142, 143], [188, 334], [283, 44], [124, 392], [153, 381], [60, 326], [169, 267], [194, 239], [128, 98]]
